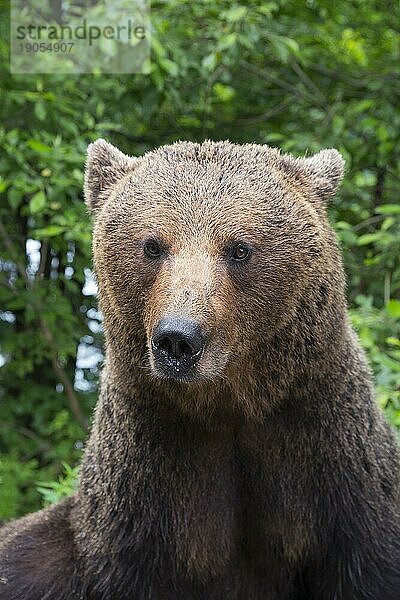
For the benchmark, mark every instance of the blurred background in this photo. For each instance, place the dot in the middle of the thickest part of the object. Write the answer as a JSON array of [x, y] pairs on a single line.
[[300, 75]]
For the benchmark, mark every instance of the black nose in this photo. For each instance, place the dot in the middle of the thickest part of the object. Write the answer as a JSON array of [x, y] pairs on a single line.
[[177, 344]]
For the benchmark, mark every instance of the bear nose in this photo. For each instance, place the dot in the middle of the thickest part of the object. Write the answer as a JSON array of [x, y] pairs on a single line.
[[178, 342]]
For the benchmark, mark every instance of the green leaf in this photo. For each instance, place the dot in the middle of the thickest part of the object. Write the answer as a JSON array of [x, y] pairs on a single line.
[[368, 238], [39, 146], [223, 92], [284, 47], [236, 13], [40, 111], [3, 184], [393, 308], [388, 209], [342, 225], [169, 66], [37, 202], [210, 61], [227, 41], [387, 223], [49, 231], [15, 196]]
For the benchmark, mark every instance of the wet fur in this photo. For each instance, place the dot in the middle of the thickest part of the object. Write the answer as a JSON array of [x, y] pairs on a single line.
[[274, 476]]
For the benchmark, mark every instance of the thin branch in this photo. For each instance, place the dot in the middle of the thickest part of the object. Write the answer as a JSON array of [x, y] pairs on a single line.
[[269, 113], [367, 222], [58, 369], [276, 81], [307, 81], [29, 434], [32, 435], [379, 187], [43, 259], [393, 174]]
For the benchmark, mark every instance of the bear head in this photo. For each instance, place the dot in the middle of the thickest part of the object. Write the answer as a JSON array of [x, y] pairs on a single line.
[[204, 252]]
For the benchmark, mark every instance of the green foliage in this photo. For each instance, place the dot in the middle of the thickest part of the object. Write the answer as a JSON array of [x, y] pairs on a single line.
[[379, 333], [53, 491], [299, 75]]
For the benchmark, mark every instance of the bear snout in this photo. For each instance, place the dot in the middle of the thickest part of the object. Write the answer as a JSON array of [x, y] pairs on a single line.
[[177, 344]]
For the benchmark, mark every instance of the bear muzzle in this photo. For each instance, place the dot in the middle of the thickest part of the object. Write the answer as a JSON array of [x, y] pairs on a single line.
[[177, 344]]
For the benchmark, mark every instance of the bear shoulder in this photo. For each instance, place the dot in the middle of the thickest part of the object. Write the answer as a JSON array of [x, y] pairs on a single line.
[[37, 556]]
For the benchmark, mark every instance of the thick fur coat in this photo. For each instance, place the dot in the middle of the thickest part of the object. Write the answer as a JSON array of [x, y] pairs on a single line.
[[267, 472]]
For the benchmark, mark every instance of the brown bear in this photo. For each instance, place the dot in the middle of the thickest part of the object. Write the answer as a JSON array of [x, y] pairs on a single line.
[[237, 452]]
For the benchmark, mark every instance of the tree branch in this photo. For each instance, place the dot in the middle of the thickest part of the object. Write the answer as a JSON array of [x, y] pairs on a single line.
[[297, 91]]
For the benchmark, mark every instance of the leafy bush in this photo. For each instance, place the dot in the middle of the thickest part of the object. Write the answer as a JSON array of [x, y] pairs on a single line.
[[53, 491]]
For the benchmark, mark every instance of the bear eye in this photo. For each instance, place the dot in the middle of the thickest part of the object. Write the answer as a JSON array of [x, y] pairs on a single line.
[[240, 252], [152, 249]]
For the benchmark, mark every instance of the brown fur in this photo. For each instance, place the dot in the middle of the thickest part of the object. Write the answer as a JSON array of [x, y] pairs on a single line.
[[271, 474]]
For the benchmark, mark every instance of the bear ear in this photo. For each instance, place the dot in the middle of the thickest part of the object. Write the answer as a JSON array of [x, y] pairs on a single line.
[[325, 170], [105, 165]]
